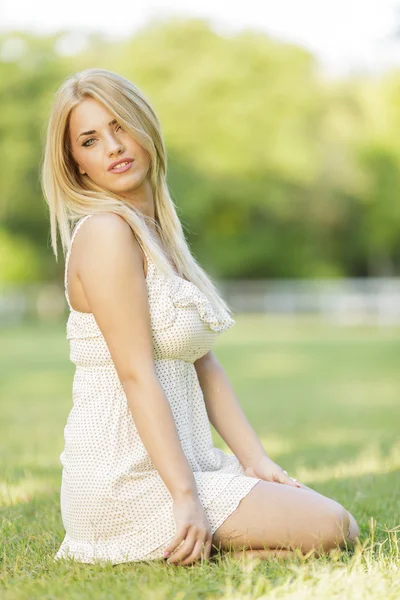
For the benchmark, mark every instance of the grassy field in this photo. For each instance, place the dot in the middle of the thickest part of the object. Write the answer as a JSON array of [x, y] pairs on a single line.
[[324, 400]]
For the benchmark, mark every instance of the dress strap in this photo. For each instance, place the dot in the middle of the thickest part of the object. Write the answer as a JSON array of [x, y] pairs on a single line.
[[150, 264], [77, 226]]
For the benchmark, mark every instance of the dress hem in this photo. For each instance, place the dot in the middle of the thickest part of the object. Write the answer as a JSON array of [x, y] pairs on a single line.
[[117, 550]]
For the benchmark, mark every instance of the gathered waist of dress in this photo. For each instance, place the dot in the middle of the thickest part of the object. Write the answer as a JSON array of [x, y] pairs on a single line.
[[106, 374], [95, 379], [93, 352], [110, 365]]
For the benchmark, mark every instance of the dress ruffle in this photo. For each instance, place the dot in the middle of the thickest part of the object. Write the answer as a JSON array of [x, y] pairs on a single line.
[[181, 293], [186, 294]]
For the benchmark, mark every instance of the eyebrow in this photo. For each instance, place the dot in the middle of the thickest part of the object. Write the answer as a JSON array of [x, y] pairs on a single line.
[[93, 130]]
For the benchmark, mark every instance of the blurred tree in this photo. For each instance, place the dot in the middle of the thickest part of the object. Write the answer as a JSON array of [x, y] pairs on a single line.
[[275, 172]]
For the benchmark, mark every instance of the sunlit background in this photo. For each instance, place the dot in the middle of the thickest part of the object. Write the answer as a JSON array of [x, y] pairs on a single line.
[[281, 122]]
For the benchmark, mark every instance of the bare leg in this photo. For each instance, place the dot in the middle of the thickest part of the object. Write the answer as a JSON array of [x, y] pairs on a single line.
[[354, 531], [274, 517]]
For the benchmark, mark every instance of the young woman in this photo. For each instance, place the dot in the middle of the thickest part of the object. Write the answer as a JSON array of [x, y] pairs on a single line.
[[141, 477]]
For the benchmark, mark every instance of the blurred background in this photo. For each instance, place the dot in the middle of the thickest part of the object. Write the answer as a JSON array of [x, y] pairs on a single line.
[[281, 121]]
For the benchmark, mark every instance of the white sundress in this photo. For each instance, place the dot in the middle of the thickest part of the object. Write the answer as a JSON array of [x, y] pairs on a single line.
[[115, 506]]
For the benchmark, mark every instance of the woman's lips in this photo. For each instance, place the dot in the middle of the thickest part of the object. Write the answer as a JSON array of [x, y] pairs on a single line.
[[123, 168]]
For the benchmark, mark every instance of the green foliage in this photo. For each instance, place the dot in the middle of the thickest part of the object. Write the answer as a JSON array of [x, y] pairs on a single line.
[[19, 262], [276, 171]]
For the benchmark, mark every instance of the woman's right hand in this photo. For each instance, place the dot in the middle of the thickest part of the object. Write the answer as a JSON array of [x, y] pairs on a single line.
[[193, 533]]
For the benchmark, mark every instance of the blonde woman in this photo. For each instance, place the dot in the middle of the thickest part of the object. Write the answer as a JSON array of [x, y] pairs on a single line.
[[141, 478]]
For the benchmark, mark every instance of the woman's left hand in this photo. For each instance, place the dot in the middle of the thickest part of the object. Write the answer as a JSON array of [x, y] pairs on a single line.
[[268, 470]]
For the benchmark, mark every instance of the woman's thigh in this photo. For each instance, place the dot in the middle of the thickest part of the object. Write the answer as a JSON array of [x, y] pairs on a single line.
[[275, 515]]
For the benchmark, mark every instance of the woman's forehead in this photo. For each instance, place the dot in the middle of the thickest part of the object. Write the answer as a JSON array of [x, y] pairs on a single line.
[[90, 114]]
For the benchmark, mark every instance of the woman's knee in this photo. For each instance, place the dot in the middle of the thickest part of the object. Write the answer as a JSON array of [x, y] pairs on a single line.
[[336, 527]]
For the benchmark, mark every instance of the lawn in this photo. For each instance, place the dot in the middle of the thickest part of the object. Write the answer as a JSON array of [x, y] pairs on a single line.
[[324, 400]]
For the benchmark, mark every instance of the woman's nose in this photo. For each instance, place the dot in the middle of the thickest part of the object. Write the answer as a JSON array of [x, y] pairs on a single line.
[[115, 146]]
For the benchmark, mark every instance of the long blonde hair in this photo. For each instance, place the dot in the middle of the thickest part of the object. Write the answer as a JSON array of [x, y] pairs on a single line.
[[70, 197]]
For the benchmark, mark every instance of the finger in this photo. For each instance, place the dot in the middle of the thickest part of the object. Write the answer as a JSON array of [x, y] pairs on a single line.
[[283, 477], [291, 479], [173, 545], [176, 540], [184, 550], [296, 482], [303, 486], [205, 550], [208, 548], [198, 550], [181, 554]]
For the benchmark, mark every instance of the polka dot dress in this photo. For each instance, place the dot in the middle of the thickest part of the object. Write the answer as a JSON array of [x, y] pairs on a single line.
[[115, 506]]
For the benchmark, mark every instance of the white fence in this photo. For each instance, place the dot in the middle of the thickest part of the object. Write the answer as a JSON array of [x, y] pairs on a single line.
[[345, 301]]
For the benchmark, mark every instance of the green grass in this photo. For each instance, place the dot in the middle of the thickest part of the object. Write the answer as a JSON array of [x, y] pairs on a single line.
[[324, 400]]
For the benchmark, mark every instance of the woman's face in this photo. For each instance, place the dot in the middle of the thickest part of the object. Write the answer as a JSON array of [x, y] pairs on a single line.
[[97, 140]]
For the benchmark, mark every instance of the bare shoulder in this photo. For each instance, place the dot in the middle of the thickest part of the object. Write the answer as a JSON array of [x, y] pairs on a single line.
[[105, 226], [104, 236]]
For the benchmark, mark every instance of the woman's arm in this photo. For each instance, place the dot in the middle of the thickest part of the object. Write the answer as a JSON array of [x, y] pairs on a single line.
[[110, 268], [225, 412]]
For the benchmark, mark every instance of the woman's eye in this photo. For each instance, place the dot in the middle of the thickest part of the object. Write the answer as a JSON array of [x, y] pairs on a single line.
[[93, 139], [86, 143]]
